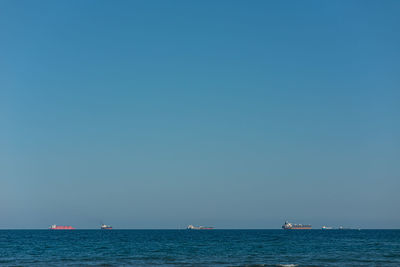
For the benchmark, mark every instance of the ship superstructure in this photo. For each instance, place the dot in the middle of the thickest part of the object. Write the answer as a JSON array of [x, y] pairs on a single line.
[[290, 226]]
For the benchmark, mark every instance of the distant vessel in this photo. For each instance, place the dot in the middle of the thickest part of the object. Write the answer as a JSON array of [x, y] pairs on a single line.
[[191, 227], [105, 227], [61, 227], [327, 228], [290, 226]]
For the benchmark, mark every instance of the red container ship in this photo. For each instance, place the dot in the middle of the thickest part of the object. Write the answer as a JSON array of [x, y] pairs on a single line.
[[61, 227], [290, 226]]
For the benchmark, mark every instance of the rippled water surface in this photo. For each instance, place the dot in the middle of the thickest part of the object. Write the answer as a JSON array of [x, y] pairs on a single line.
[[200, 248]]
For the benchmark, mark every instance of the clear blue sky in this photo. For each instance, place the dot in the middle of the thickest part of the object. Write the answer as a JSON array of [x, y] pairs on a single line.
[[236, 114]]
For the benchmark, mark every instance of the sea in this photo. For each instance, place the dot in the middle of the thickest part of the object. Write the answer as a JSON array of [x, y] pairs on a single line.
[[200, 248]]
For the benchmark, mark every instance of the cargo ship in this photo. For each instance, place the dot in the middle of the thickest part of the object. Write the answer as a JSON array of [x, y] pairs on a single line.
[[61, 227], [191, 227], [105, 227], [290, 226]]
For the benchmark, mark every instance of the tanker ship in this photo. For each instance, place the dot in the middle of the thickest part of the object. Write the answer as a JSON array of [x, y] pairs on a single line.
[[289, 226], [61, 227], [191, 227]]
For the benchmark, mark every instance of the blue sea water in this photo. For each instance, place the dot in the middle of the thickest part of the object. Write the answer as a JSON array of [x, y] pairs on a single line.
[[200, 248]]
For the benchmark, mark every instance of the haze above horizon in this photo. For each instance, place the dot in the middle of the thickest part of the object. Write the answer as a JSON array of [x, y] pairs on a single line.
[[233, 114]]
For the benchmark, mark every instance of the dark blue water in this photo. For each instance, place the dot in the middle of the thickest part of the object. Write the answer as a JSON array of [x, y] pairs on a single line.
[[200, 248]]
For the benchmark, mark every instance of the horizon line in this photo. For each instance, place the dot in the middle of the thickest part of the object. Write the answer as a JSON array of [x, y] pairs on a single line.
[[358, 229]]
